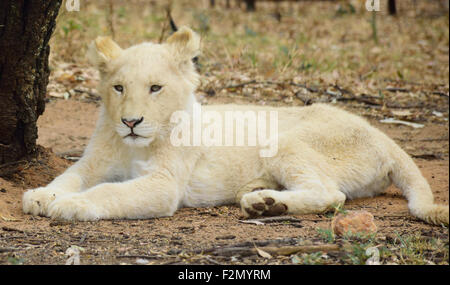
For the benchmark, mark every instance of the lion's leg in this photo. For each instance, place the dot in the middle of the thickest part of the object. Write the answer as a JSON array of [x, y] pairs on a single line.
[[153, 195], [273, 203], [85, 173], [309, 183], [74, 179]]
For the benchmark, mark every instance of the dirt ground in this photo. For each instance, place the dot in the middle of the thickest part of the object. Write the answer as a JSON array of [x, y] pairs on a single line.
[[67, 125], [290, 54]]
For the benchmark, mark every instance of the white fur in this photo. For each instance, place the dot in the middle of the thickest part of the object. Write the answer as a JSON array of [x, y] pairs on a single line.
[[325, 155]]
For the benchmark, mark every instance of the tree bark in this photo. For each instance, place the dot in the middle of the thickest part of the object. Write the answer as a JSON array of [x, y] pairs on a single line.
[[250, 5], [392, 7], [25, 30]]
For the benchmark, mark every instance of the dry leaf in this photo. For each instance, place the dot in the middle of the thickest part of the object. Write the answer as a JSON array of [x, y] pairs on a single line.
[[262, 253]]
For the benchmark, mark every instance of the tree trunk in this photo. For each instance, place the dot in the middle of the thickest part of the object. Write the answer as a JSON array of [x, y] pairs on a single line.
[[392, 7], [25, 30], [250, 5]]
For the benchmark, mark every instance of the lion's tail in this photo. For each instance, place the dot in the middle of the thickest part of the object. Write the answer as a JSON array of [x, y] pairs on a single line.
[[407, 176]]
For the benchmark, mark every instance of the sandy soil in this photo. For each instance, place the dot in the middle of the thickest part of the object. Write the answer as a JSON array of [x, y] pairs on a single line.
[[64, 130]]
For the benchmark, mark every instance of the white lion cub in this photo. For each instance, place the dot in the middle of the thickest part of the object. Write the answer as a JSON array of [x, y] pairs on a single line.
[[132, 170]]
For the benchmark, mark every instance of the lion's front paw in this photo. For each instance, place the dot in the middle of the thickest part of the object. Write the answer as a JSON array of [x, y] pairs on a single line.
[[262, 203], [36, 201], [74, 207]]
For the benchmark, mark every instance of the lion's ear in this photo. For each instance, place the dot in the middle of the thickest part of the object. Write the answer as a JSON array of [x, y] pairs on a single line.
[[185, 44], [103, 50]]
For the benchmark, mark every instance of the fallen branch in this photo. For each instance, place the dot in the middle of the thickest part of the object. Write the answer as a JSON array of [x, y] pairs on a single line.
[[309, 88], [368, 100], [72, 155], [277, 219], [283, 250], [143, 256], [400, 122], [427, 156], [396, 89], [288, 250], [9, 229], [423, 140], [250, 244], [8, 249], [441, 94]]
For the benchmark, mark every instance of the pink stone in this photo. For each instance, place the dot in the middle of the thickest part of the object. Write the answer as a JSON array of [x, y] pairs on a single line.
[[356, 222]]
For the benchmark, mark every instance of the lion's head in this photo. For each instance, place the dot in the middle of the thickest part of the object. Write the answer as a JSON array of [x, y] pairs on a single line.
[[143, 85]]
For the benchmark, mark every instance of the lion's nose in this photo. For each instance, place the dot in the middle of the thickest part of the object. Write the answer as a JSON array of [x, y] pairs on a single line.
[[133, 122]]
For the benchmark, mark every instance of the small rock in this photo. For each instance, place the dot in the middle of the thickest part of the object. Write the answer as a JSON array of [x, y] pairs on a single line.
[[142, 261], [174, 251], [354, 222]]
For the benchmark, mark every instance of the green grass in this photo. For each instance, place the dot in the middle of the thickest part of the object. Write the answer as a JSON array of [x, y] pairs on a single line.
[[326, 234], [315, 258]]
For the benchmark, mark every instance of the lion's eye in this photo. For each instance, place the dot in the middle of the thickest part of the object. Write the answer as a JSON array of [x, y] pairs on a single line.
[[118, 88], [155, 88]]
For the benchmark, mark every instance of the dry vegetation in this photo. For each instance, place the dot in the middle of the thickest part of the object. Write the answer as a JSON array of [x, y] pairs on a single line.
[[316, 52]]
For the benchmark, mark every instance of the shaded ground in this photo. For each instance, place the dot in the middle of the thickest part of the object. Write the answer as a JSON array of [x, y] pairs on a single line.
[[315, 53]]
